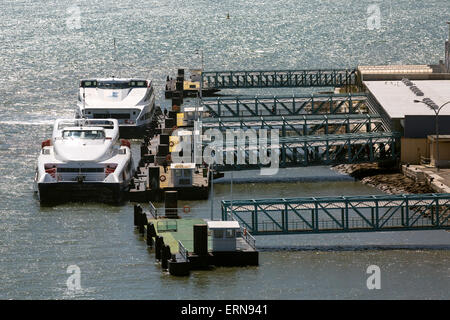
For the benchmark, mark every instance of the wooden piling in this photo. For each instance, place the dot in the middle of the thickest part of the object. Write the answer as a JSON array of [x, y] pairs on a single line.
[[158, 244], [135, 220], [149, 235], [165, 256], [142, 221]]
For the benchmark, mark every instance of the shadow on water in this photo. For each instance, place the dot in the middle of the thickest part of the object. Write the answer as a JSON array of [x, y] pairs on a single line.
[[260, 179], [63, 202], [353, 248]]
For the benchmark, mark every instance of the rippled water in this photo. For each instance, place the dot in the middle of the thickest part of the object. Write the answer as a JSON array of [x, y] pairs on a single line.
[[42, 59]]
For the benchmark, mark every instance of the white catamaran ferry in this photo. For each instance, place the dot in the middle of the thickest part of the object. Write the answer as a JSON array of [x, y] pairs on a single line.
[[84, 159], [130, 101]]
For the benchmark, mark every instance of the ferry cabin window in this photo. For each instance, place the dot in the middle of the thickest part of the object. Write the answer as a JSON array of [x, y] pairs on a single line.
[[117, 116], [84, 134], [113, 85], [138, 84], [88, 84]]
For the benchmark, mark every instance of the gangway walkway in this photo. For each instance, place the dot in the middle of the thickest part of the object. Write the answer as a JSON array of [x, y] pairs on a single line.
[[301, 151], [279, 78], [301, 125], [242, 106], [315, 215]]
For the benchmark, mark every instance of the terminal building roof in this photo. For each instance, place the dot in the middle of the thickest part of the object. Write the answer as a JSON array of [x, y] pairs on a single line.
[[397, 98]]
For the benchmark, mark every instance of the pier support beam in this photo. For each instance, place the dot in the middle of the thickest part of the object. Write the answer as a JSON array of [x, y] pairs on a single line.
[[159, 243], [201, 239], [150, 234], [165, 256], [171, 204], [137, 207]]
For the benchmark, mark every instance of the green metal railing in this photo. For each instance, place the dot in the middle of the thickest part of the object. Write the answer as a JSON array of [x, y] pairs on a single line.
[[304, 151], [184, 253], [301, 125], [242, 106], [341, 214], [279, 78], [152, 210], [167, 225]]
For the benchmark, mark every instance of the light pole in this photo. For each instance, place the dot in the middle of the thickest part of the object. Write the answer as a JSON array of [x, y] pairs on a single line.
[[200, 51], [211, 170], [231, 187], [447, 50], [436, 110]]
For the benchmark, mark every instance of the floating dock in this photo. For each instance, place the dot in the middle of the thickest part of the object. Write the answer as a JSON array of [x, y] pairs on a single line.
[[157, 172], [179, 87], [182, 245]]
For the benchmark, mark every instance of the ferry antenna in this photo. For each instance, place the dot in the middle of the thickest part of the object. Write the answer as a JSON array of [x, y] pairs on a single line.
[[114, 56]]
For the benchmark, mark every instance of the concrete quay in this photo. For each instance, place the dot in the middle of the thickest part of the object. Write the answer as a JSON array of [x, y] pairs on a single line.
[[438, 181]]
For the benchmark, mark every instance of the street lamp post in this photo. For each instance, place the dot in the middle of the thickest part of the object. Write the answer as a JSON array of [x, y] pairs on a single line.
[[436, 110]]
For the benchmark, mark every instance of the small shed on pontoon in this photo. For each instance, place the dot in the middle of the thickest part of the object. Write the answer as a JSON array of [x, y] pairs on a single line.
[[182, 173], [224, 235]]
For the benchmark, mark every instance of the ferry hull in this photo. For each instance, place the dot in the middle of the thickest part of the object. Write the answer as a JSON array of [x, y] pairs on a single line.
[[132, 132], [86, 191]]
